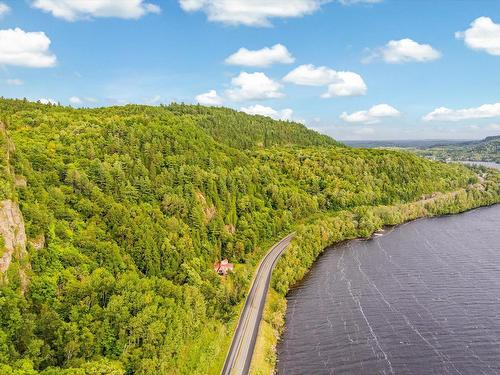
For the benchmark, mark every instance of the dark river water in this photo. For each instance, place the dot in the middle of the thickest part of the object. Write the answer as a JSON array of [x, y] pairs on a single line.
[[424, 298]]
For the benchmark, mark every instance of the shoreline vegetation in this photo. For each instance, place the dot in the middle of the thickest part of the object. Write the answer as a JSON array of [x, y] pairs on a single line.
[[126, 209], [315, 236]]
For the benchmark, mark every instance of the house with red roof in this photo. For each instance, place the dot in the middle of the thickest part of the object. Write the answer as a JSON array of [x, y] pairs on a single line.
[[223, 267]]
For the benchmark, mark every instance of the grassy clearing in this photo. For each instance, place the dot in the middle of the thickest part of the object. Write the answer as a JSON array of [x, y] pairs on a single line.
[[271, 327]]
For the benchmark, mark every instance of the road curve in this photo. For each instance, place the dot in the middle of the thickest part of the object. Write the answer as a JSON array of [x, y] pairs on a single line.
[[240, 354]]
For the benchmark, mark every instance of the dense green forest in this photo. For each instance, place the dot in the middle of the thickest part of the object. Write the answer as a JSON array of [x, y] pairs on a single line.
[[487, 149], [127, 208]]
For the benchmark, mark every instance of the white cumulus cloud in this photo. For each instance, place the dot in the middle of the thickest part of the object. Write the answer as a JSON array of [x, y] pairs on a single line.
[[277, 54], [21, 48], [251, 12], [75, 100], [72, 10], [258, 109], [339, 83], [483, 35], [371, 116], [47, 101], [14, 82], [4, 9], [347, 84], [210, 98], [253, 86], [447, 114], [403, 51], [310, 75]]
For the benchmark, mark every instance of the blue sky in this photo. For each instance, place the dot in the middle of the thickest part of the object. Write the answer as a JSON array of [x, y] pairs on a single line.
[[353, 69]]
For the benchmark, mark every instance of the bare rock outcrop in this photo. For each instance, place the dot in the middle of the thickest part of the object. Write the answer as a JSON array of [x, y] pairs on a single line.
[[38, 242], [12, 232]]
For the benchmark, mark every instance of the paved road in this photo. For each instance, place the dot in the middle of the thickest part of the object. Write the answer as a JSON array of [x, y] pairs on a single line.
[[240, 354]]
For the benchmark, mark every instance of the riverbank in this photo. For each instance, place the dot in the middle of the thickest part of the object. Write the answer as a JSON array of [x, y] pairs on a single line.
[[421, 299], [318, 233]]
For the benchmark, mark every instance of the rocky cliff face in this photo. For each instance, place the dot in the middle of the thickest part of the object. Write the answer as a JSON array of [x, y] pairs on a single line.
[[13, 233]]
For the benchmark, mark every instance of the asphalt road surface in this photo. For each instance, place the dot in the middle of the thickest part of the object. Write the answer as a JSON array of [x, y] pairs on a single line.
[[240, 354]]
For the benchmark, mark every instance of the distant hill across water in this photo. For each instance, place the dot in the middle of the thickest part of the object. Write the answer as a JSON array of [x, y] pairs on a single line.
[[405, 143], [486, 150]]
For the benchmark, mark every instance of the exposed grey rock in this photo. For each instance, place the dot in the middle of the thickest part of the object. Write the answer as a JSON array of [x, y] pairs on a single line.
[[38, 243], [12, 231]]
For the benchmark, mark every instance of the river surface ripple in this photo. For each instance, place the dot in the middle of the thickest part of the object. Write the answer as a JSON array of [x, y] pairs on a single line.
[[422, 299]]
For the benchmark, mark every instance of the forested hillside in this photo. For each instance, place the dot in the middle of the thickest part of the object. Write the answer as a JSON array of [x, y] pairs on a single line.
[[127, 208]]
